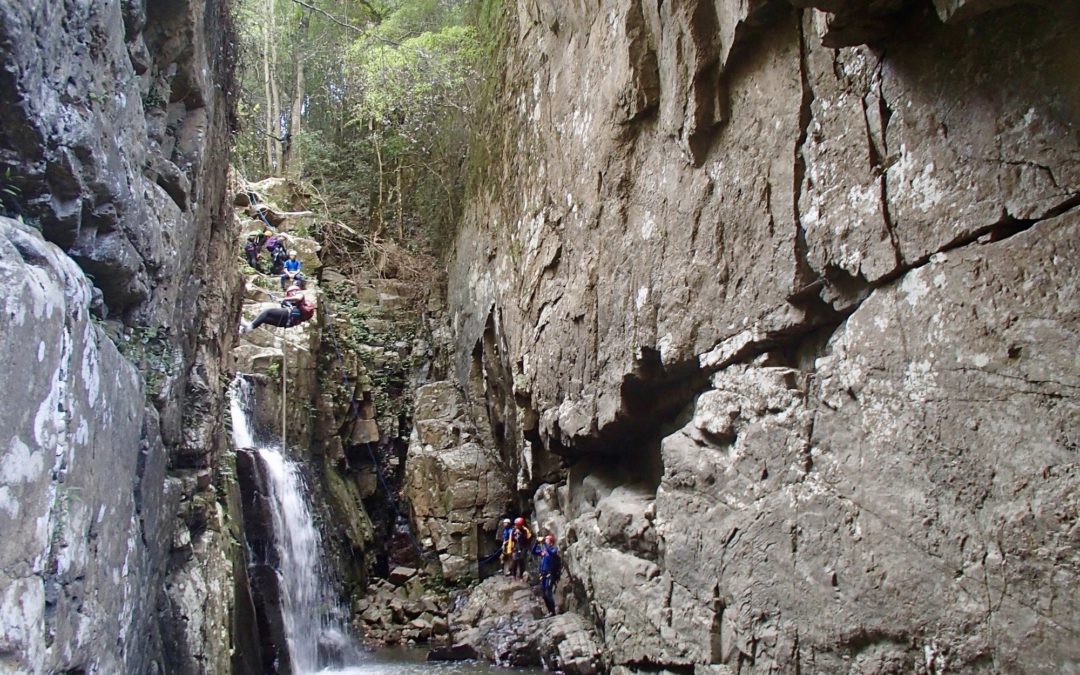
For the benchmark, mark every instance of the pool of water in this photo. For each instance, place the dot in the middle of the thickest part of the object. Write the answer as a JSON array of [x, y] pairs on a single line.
[[407, 661]]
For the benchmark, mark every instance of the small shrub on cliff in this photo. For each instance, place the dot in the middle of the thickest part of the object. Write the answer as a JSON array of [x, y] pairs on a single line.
[[149, 349]]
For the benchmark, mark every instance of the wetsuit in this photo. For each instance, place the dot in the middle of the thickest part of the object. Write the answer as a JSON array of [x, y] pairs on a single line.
[[516, 546], [550, 571]]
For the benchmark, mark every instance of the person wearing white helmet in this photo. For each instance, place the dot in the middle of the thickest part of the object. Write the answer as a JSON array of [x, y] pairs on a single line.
[[291, 271], [506, 528]]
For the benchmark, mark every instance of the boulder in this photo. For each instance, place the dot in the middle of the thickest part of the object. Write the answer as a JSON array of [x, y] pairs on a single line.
[[455, 652], [569, 645], [399, 575], [502, 620]]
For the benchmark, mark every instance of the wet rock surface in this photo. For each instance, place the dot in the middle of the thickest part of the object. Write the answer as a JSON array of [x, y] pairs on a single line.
[[797, 324], [503, 620]]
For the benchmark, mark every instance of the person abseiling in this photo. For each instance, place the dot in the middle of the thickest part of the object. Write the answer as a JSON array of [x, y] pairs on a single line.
[[296, 308], [550, 570], [291, 271], [516, 546]]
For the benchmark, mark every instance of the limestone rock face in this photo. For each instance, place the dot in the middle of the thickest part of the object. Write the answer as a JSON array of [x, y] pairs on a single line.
[[113, 149], [800, 322], [456, 485]]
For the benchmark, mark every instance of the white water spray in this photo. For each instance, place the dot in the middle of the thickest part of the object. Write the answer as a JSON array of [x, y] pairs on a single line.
[[309, 606]]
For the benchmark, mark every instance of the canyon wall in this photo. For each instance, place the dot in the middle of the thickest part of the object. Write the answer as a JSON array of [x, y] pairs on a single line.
[[121, 295], [773, 309]]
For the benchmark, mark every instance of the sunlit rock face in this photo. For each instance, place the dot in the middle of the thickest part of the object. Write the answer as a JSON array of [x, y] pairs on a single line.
[[775, 306], [75, 565], [113, 152], [455, 481]]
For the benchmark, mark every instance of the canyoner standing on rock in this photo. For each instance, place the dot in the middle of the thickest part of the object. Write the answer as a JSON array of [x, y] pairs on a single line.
[[516, 546], [275, 245], [252, 249], [502, 535], [296, 308], [550, 570]]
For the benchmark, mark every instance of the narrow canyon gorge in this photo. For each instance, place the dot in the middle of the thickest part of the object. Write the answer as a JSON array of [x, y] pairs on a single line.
[[767, 310]]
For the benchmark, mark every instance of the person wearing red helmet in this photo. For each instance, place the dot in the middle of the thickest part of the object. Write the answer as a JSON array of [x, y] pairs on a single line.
[[296, 308], [515, 547], [550, 570]]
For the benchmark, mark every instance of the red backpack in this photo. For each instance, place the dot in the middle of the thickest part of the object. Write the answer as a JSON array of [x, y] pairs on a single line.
[[307, 308]]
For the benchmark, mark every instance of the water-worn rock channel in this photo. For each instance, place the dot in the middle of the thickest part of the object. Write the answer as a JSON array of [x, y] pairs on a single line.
[[767, 309]]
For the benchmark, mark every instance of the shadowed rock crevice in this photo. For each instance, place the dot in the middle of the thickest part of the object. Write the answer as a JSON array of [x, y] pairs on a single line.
[[653, 400], [262, 562]]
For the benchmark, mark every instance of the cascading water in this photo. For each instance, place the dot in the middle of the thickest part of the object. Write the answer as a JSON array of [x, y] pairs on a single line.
[[313, 621], [311, 614]]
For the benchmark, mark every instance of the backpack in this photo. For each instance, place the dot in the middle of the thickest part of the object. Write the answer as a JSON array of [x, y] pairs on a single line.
[[307, 308]]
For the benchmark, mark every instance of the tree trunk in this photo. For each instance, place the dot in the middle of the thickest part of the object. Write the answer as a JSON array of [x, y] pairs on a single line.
[[268, 118], [379, 207], [290, 156], [275, 100], [400, 207]]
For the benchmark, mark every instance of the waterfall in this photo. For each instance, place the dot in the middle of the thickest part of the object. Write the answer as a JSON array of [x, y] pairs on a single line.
[[313, 619]]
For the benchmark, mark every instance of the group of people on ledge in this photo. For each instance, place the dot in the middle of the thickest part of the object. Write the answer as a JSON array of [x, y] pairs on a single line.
[[516, 542], [282, 262], [296, 306]]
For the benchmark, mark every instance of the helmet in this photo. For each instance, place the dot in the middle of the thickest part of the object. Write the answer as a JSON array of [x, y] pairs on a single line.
[[550, 538], [269, 233], [505, 521], [292, 252], [519, 521]]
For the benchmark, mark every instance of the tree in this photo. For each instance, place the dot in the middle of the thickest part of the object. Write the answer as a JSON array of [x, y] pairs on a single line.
[[379, 104]]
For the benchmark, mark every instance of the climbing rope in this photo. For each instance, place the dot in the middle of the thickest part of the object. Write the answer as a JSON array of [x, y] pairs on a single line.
[[380, 474], [284, 393], [262, 217]]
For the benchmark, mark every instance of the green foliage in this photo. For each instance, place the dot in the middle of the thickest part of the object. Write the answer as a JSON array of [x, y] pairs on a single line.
[[154, 99], [442, 586], [149, 349], [9, 193], [390, 107], [270, 283], [273, 371], [387, 378], [415, 100], [403, 85]]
